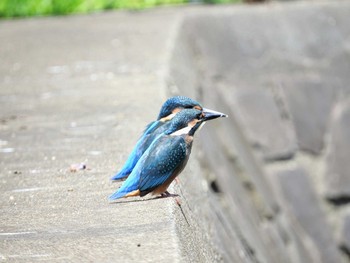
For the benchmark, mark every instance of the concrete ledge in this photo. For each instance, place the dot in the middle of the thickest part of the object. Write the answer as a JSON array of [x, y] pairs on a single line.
[[80, 89]]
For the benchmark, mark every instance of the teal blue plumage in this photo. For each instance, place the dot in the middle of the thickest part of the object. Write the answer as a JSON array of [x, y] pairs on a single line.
[[165, 158], [153, 130], [167, 155]]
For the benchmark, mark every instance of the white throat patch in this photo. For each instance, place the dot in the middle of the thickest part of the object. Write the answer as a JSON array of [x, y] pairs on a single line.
[[168, 118], [186, 130], [182, 131]]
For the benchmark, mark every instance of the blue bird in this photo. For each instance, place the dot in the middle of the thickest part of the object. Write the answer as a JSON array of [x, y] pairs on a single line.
[[167, 112], [166, 157]]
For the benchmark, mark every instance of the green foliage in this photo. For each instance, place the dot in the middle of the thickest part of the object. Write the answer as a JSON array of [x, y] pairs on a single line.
[[22, 8]]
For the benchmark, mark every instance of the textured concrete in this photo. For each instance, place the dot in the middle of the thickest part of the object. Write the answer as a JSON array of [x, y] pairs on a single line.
[[79, 89], [310, 103], [278, 71], [338, 165], [268, 184], [345, 233], [300, 201]]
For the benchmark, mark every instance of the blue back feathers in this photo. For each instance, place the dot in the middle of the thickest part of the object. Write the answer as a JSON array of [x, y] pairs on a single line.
[[153, 130], [164, 158], [166, 155]]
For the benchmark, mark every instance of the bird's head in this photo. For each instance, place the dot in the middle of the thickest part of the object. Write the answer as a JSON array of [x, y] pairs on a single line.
[[188, 121], [174, 105]]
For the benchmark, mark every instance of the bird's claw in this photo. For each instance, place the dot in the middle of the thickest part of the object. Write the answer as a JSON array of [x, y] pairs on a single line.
[[167, 194]]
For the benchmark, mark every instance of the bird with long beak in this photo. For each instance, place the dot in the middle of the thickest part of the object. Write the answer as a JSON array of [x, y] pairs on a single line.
[[166, 157], [168, 110]]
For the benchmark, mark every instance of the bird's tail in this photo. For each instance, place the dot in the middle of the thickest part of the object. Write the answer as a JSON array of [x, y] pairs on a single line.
[[127, 168], [121, 175], [128, 188], [130, 163], [118, 194]]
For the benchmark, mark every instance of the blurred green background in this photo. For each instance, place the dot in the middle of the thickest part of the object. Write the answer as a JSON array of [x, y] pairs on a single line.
[[23, 8]]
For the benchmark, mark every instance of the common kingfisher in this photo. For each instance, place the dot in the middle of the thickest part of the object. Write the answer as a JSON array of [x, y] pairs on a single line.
[[168, 110], [166, 157]]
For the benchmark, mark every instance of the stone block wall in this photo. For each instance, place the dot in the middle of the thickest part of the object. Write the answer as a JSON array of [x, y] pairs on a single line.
[[273, 180]]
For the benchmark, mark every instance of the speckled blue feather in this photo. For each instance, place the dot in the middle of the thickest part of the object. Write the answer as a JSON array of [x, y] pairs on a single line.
[[156, 173], [154, 167], [165, 156], [152, 131]]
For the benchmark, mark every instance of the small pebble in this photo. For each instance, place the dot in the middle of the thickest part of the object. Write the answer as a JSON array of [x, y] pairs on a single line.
[[76, 167]]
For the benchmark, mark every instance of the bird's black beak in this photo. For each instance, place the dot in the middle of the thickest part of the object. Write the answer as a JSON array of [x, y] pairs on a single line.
[[207, 115], [211, 114]]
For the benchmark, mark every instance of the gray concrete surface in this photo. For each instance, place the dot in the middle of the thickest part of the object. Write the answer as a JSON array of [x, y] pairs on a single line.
[[79, 89], [269, 184]]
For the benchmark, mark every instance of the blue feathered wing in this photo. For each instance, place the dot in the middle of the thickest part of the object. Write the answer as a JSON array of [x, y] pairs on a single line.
[[141, 146], [166, 155]]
